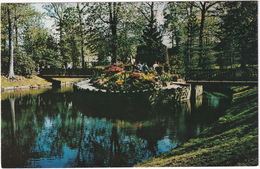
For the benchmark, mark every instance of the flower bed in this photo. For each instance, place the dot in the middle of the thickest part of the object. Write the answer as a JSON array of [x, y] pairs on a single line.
[[116, 77]]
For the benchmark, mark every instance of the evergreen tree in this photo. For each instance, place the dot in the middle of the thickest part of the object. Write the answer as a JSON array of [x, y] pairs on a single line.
[[152, 50], [188, 49]]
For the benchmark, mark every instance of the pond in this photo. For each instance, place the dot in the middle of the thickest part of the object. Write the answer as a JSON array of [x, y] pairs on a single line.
[[59, 128]]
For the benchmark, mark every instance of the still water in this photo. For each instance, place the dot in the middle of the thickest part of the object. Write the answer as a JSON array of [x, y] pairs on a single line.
[[59, 128]]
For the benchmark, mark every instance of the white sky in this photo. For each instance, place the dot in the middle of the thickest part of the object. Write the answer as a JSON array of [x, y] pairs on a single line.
[[47, 20]]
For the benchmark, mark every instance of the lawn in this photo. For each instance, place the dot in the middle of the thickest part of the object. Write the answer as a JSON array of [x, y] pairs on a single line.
[[22, 81]]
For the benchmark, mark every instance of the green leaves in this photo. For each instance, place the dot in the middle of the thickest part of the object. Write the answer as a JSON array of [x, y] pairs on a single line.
[[239, 34]]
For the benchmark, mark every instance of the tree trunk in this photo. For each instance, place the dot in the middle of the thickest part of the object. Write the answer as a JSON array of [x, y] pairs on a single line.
[[114, 48], [11, 47], [82, 53], [190, 37], [113, 27], [16, 30], [61, 41], [82, 37], [203, 12]]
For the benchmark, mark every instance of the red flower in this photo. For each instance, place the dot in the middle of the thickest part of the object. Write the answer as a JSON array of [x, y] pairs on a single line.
[[113, 70], [136, 75], [152, 80]]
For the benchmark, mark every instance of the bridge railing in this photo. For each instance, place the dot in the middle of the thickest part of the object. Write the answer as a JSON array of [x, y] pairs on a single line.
[[249, 74], [71, 72]]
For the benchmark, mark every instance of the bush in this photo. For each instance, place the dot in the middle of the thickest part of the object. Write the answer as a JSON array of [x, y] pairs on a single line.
[[24, 65], [151, 54], [113, 70]]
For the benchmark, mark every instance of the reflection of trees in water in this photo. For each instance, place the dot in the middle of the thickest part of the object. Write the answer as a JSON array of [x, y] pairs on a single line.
[[50, 126], [13, 135], [102, 144], [152, 134], [28, 114]]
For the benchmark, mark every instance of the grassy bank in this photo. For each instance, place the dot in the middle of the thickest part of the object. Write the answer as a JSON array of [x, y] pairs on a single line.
[[22, 81], [231, 141], [35, 80]]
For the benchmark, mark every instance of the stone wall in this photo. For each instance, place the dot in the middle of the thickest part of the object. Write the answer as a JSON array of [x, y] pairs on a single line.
[[180, 93]]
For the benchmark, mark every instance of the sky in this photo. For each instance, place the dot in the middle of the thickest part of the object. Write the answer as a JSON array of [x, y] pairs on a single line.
[[47, 20]]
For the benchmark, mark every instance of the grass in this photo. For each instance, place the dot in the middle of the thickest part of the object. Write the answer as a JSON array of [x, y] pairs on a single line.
[[63, 80], [22, 81], [231, 141], [35, 80]]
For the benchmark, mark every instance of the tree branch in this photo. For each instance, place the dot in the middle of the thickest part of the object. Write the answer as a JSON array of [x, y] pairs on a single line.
[[143, 13], [195, 5], [210, 5], [100, 17]]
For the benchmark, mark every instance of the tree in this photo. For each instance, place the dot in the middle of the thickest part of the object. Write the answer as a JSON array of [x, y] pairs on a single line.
[[204, 7], [194, 26], [14, 16], [11, 46], [114, 29], [189, 47], [73, 51], [81, 30], [238, 35], [182, 24], [74, 32], [57, 11], [174, 13], [108, 15], [152, 48]]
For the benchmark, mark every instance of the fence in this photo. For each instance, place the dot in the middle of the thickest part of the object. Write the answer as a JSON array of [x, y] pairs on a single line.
[[71, 72]]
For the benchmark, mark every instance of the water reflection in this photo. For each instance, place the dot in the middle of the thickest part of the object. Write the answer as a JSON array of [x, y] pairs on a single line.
[[63, 129]]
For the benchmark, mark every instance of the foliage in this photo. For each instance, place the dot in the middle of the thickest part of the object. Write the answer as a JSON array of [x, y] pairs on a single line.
[[152, 53], [116, 78], [111, 32], [152, 50], [182, 25], [24, 65], [177, 64], [14, 16], [35, 47], [202, 34], [192, 27], [238, 34], [41, 47]]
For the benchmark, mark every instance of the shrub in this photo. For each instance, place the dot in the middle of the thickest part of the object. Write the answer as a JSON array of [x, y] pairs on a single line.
[[113, 70], [135, 75], [24, 65]]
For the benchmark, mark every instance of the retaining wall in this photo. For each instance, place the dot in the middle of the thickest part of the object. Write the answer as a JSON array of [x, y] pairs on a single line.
[[183, 92]]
